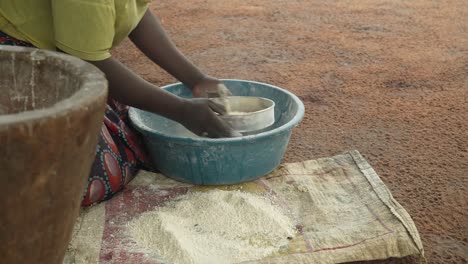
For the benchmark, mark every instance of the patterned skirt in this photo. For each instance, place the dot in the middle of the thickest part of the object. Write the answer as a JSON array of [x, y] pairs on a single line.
[[119, 153]]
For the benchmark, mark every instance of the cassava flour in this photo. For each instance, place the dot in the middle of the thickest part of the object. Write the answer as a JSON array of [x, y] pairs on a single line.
[[213, 227]]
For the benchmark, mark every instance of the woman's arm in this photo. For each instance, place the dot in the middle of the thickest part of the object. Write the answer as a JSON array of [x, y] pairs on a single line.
[[198, 115], [130, 89], [150, 37]]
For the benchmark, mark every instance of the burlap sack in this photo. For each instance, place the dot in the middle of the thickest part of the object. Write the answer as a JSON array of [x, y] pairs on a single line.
[[344, 211]]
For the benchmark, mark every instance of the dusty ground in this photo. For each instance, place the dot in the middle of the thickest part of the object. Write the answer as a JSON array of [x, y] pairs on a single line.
[[389, 78]]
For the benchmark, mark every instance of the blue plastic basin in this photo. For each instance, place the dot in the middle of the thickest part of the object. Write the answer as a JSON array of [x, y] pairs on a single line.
[[205, 161]]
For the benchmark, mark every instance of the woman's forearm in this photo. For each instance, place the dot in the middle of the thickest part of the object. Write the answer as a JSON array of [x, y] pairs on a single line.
[[150, 37], [130, 89], [198, 115]]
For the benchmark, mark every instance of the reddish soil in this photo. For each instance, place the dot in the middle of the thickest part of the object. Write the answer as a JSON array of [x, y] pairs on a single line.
[[388, 78]]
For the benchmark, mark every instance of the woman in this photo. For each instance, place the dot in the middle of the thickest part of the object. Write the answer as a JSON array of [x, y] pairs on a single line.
[[89, 29]]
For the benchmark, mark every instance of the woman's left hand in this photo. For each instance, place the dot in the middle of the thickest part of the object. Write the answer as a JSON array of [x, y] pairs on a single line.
[[210, 87]]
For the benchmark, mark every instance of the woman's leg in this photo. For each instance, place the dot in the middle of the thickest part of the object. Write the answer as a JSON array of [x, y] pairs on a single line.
[[119, 156], [7, 40], [119, 153]]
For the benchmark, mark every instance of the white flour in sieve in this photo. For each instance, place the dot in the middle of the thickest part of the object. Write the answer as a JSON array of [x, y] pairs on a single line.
[[213, 227]]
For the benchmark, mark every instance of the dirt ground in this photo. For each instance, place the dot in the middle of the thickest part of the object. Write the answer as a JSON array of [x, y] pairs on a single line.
[[386, 77]]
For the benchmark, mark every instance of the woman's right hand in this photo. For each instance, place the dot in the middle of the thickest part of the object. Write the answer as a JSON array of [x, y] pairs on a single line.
[[199, 116]]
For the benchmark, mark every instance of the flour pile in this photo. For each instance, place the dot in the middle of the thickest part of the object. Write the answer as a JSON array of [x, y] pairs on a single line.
[[213, 227]]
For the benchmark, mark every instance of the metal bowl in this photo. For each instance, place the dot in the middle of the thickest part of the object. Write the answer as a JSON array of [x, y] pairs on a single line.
[[248, 114]]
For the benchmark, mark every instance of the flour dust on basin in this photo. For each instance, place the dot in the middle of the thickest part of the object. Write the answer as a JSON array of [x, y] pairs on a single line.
[[213, 227], [179, 154]]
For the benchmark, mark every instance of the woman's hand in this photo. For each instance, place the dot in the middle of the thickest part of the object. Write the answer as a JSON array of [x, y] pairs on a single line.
[[199, 116], [209, 87]]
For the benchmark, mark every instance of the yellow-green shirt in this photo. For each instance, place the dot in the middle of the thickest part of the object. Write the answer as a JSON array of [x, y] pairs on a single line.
[[87, 29]]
